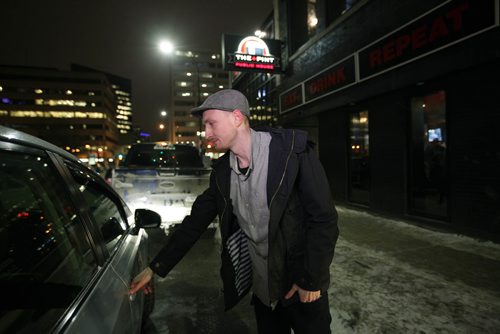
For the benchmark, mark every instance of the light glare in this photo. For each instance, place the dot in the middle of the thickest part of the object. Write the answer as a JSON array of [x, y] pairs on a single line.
[[166, 47]]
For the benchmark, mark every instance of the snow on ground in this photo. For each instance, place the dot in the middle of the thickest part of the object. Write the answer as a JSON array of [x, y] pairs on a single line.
[[375, 292], [456, 241]]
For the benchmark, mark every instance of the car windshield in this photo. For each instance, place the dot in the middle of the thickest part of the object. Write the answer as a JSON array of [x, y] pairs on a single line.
[[163, 157]]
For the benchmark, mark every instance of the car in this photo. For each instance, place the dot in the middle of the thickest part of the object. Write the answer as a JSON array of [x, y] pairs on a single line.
[[162, 177], [69, 245]]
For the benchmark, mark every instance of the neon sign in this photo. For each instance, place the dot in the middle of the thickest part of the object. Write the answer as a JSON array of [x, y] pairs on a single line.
[[251, 54]]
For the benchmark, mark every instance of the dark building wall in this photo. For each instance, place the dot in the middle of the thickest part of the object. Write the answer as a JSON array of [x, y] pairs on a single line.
[[363, 26], [388, 143], [467, 72], [333, 150], [388, 156], [474, 132]]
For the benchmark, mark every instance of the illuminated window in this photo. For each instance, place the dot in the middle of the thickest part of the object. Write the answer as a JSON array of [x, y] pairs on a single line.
[[183, 83], [79, 114], [60, 114], [312, 19], [359, 154], [429, 169], [120, 92], [95, 115], [26, 113]]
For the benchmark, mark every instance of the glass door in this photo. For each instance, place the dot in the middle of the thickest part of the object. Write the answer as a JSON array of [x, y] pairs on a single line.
[[428, 165], [359, 158]]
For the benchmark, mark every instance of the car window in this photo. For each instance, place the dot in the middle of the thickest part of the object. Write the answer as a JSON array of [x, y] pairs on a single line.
[[104, 207], [45, 255], [157, 156], [151, 157]]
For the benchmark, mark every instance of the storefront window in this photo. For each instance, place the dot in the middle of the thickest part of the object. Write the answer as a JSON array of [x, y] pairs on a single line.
[[359, 160], [429, 172], [312, 17]]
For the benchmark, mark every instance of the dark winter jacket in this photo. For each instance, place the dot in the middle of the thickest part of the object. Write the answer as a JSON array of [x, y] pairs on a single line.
[[302, 227]]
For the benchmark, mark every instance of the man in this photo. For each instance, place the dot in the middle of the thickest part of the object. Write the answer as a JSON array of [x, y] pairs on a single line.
[[277, 220]]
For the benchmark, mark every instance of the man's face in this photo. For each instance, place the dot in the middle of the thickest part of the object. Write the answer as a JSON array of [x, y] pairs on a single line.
[[220, 128]]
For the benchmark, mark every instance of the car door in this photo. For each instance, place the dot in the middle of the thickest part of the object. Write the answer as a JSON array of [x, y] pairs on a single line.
[[46, 258], [108, 307]]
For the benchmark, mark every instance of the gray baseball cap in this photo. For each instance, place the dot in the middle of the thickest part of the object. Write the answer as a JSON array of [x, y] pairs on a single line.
[[227, 100]]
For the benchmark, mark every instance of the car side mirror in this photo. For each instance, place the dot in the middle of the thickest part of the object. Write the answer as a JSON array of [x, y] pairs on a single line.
[[145, 218]]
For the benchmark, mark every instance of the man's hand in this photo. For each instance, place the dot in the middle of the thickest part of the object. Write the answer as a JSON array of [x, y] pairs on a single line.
[[304, 295], [141, 282]]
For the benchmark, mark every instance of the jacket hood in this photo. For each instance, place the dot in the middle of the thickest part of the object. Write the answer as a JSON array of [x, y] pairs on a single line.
[[284, 138]]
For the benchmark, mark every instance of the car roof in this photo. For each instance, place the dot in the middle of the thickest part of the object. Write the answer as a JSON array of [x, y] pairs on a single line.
[[159, 143], [18, 137]]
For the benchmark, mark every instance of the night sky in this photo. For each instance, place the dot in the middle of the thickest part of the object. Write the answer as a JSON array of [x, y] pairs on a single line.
[[120, 37]]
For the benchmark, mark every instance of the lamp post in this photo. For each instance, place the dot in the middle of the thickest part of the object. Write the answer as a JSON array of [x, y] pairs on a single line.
[[198, 102], [164, 125], [167, 48]]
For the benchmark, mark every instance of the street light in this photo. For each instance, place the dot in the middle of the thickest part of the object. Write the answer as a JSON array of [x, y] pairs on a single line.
[[166, 47]]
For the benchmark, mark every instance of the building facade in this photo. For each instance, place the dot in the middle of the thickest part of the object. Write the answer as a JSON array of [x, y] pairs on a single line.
[[75, 110], [402, 99], [122, 89], [194, 75]]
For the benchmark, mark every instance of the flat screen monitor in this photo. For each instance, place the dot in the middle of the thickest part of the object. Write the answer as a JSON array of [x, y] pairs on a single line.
[[433, 134]]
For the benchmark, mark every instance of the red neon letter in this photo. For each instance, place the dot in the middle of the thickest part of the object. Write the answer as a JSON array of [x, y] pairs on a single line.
[[439, 29], [402, 43], [456, 15], [375, 58]]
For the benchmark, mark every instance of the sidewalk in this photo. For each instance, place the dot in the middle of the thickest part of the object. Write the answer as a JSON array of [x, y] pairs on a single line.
[[389, 276]]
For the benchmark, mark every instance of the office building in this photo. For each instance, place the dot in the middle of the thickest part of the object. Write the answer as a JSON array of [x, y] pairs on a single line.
[[122, 88], [194, 76], [75, 110]]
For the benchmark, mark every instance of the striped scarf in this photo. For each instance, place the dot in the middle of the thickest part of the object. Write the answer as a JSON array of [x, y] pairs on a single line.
[[240, 258]]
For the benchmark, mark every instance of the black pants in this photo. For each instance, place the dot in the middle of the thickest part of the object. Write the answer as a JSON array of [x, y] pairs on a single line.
[[303, 318]]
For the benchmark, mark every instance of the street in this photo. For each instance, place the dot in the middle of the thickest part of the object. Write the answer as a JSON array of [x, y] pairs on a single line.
[[388, 276], [189, 299]]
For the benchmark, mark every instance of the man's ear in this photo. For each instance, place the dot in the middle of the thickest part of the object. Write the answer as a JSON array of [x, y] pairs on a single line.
[[240, 118]]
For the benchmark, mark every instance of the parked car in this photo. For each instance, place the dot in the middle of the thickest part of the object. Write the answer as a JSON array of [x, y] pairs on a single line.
[[69, 245], [164, 178]]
